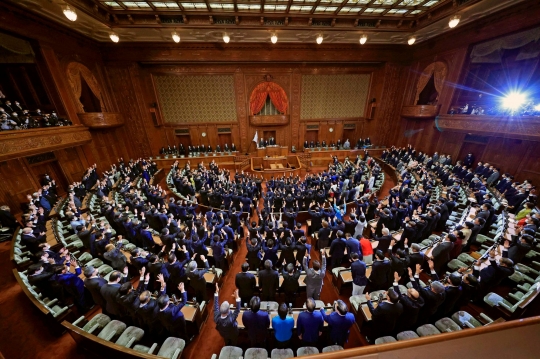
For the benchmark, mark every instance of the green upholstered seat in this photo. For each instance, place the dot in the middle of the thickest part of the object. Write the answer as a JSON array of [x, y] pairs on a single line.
[[256, 353], [427, 330], [113, 329], [172, 348], [335, 271], [98, 322], [332, 348], [281, 354], [306, 351], [455, 264], [493, 299], [406, 335], [422, 284], [129, 247], [96, 263], [85, 258], [105, 269], [466, 258], [230, 352], [465, 320], [130, 336], [383, 340], [447, 325]]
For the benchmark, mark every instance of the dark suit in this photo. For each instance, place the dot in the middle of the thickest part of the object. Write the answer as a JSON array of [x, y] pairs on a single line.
[[384, 317], [431, 299], [381, 275], [268, 283], [257, 325], [290, 286], [384, 242], [197, 282], [109, 292], [94, 287], [227, 327], [172, 318], [246, 284], [411, 308]]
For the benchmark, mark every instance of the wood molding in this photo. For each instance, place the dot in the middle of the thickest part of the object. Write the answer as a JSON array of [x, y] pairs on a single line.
[[420, 111], [95, 120], [14, 144], [273, 120], [500, 126]]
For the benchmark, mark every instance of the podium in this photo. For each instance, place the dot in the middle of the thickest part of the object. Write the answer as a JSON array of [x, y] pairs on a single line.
[[272, 151]]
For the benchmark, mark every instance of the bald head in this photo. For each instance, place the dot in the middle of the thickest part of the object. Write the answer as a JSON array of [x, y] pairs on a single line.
[[224, 308]]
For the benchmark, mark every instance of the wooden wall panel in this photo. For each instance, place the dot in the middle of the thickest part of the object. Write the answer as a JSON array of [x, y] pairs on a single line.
[[17, 181], [73, 163]]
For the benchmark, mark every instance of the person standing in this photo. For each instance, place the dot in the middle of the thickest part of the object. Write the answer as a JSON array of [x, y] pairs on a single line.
[[309, 324], [314, 276], [256, 323], [283, 326], [358, 271], [225, 320], [340, 322]]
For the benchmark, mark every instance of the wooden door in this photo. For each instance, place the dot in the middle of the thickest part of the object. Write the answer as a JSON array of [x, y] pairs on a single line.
[[311, 136], [185, 141]]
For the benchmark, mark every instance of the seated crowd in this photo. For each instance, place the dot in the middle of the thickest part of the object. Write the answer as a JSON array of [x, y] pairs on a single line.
[[15, 116]]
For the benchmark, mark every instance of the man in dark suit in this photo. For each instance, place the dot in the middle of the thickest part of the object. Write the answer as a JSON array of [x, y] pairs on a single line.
[[381, 272], [268, 282], [290, 283], [416, 257], [337, 249], [225, 320], [452, 292], [39, 277], [412, 303], [196, 279], [358, 272], [109, 292], [256, 323], [494, 273], [385, 316], [93, 283], [32, 242], [170, 315], [384, 240], [441, 252], [433, 297], [246, 283]]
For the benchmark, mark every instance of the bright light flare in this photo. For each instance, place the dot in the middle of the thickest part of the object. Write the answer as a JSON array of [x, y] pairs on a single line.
[[514, 100]]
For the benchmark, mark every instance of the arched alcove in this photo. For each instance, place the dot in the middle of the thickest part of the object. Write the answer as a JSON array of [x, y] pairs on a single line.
[[81, 79], [264, 91]]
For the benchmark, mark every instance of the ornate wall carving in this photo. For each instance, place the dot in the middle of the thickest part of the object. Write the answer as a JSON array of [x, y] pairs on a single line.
[[101, 120], [512, 127], [196, 98], [75, 73], [241, 109], [25, 143], [342, 95]]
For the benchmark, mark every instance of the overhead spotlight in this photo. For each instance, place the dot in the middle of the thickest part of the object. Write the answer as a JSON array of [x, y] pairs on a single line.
[[319, 39], [363, 39], [537, 107], [454, 21], [411, 40], [70, 13], [273, 38], [175, 37], [514, 100], [114, 37], [226, 38]]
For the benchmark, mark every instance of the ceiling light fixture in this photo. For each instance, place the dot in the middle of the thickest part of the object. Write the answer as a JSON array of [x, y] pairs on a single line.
[[70, 13], [226, 38], [175, 37], [114, 37], [411, 40], [454, 21], [273, 38], [363, 39], [319, 39]]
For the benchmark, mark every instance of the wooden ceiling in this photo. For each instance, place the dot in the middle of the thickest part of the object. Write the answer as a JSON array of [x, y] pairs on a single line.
[[294, 21]]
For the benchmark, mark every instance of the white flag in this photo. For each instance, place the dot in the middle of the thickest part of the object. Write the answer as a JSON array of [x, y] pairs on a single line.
[[256, 138]]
